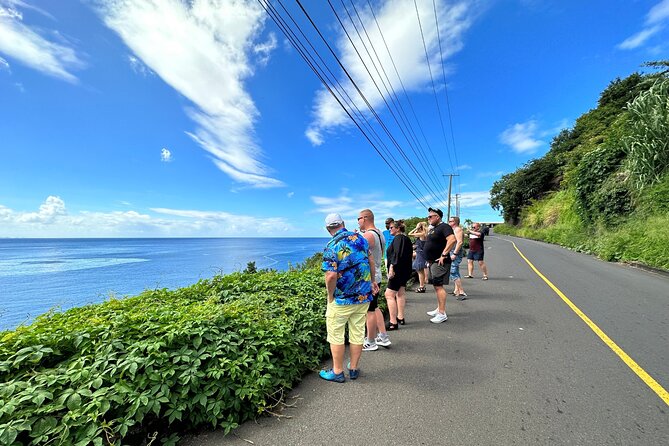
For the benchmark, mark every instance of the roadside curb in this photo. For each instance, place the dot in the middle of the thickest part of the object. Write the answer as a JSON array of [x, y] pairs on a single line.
[[644, 267]]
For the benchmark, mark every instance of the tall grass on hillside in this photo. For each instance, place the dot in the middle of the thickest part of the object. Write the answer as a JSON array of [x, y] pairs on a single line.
[[648, 143], [641, 237]]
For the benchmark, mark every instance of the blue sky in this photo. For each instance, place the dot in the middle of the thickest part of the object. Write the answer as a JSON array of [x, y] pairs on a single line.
[[148, 118]]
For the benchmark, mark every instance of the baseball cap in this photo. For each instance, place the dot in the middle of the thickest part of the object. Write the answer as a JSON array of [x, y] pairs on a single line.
[[333, 220], [436, 211]]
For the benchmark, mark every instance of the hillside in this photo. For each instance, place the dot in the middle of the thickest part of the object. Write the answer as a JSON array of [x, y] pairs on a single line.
[[603, 187]]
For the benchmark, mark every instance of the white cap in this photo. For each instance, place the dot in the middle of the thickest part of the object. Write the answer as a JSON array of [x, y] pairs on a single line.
[[333, 220]]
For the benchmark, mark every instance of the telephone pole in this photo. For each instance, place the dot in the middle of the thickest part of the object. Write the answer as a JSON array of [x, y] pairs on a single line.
[[450, 184], [457, 205]]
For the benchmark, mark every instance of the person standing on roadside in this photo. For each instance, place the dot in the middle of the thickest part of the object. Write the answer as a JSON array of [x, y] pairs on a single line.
[[348, 270], [375, 322], [420, 264], [387, 237], [476, 251], [440, 241], [456, 258], [399, 257]]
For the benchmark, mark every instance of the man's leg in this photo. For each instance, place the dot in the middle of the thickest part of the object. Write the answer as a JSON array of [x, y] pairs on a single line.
[[338, 356], [371, 325], [441, 298], [356, 352], [356, 332], [380, 323], [470, 267], [484, 268]]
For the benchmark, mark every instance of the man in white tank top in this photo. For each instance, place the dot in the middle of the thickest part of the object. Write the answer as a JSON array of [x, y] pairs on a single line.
[[375, 322]]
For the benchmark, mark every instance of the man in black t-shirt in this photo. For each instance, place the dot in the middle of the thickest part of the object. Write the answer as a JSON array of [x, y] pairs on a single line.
[[440, 241]]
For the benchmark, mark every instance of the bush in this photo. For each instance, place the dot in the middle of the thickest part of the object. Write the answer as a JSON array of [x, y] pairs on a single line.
[[216, 353]]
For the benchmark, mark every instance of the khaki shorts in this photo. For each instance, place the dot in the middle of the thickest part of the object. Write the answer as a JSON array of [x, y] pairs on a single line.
[[336, 318]]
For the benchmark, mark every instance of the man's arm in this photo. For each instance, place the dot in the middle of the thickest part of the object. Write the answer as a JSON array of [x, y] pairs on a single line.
[[331, 284], [459, 237], [375, 286], [450, 243]]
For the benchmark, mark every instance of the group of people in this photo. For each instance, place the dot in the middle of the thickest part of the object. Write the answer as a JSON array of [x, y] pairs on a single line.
[[352, 264]]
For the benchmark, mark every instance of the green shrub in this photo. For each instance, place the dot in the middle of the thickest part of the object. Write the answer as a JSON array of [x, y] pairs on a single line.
[[215, 353]]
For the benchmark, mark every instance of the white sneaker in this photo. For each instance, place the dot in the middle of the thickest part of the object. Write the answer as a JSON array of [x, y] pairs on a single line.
[[439, 318], [433, 312], [369, 346], [382, 341]]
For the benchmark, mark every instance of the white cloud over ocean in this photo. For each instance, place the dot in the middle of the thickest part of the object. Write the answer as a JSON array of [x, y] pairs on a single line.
[[52, 219]]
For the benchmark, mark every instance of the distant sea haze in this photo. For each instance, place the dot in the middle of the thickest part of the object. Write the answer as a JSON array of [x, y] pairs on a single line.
[[37, 275]]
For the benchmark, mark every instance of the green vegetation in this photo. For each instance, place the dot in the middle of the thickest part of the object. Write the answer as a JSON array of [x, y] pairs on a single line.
[[125, 371], [603, 187]]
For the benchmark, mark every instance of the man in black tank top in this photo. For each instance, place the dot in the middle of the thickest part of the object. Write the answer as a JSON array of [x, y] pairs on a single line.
[[440, 241]]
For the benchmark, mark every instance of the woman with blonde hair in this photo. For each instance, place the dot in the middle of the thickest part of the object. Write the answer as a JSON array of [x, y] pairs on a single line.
[[420, 263]]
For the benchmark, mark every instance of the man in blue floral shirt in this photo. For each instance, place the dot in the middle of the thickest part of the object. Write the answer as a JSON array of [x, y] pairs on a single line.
[[347, 264]]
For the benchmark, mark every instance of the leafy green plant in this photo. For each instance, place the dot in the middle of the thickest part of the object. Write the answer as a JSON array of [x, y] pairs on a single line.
[[216, 353]]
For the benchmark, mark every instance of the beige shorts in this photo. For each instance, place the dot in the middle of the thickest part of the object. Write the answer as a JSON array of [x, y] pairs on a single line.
[[338, 316]]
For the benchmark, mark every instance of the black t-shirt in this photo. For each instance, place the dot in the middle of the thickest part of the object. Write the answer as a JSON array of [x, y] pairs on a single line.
[[436, 242]]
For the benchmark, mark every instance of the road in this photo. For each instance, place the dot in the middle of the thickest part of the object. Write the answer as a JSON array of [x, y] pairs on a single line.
[[513, 365]]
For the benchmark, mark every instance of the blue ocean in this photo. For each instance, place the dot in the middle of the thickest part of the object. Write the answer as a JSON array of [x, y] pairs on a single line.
[[37, 275]]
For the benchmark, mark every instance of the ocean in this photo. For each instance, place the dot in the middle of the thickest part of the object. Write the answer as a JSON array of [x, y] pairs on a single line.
[[37, 275]]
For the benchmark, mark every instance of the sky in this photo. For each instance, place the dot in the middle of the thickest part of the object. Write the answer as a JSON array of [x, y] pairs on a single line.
[[170, 118]]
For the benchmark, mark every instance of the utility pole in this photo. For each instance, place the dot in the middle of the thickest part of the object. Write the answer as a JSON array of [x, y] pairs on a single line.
[[450, 184], [457, 205]]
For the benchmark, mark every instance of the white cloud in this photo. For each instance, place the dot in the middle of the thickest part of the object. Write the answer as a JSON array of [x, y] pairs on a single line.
[[139, 67], [53, 220], [658, 13], [24, 44], [656, 20], [521, 137], [639, 38], [464, 167], [348, 206], [202, 49], [399, 24], [290, 194], [264, 50], [165, 155], [474, 199], [4, 65]]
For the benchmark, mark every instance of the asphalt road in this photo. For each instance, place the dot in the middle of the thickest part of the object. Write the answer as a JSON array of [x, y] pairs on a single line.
[[514, 364]]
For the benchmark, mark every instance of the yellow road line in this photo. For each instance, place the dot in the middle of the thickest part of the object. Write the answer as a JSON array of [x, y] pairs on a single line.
[[636, 368]]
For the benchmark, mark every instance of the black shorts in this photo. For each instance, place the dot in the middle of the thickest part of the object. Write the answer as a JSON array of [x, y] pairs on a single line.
[[397, 282], [374, 304], [437, 274], [475, 255]]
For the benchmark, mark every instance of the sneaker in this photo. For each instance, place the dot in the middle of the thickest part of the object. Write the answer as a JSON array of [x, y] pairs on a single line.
[[433, 312], [352, 373], [462, 296], [330, 375], [484, 278], [369, 346], [439, 318], [383, 341]]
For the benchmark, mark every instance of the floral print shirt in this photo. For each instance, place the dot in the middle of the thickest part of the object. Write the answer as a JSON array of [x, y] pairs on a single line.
[[347, 255]]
